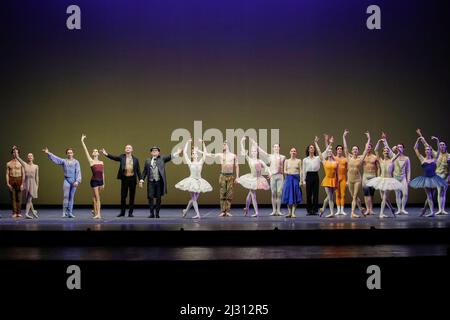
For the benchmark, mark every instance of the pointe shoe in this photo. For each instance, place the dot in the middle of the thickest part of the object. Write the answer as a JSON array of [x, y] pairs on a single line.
[[440, 213], [293, 215], [227, 214], [255, 215], [27, 216], [19, 215], [321, 211], [289, 215], [343, 213], [184, 213], [222, 214], [70, 215], [331, 215], [245, 212], [430, 215], [445, 212], [382, 216], [34, 213], [273, 213], [96, 217], [279, 213], [405, 212], [354, 215], [196, 216]]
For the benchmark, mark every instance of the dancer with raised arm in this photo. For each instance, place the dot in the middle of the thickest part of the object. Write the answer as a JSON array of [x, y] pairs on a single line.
[[31, 184], [384, 181], [402, 172], [129, 174], [155, 170], [98, 178], [370, 170], [15, 174], [330, 181], [342, 176], [355, 162], [276, 165], [194, 184], [254, 180], [292, 194], [430, 180], [72, 178], [227, 179], [442, 171]]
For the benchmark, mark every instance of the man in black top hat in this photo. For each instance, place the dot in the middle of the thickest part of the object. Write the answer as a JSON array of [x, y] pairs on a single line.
[[155, 171]]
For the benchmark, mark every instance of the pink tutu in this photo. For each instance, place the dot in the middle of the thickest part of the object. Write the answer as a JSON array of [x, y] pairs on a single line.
[[251, 182]]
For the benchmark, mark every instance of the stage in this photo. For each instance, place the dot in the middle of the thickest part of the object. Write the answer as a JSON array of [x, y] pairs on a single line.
[[171, 230]]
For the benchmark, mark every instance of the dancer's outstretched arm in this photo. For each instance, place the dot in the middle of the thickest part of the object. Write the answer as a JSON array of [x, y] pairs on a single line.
[[110, 156], [416, 150], [316, 139], [344, 141], [376, 148], [438, 152], [88, 156], [185, 152], [52, 157], [366, 149]]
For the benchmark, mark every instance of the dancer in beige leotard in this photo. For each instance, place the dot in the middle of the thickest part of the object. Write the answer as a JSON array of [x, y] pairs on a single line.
[[355, 162]]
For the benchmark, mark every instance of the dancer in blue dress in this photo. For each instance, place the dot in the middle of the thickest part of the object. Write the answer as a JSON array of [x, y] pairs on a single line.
[[430, 180]]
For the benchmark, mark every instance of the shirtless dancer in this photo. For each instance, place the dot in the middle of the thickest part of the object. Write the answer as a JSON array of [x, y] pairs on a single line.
[[227, 179], [355, 162], [276, 165], [15, 174], [442, 171], [370, 171]]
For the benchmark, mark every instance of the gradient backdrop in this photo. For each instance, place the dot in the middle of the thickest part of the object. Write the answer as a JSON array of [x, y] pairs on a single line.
[[138, 69]]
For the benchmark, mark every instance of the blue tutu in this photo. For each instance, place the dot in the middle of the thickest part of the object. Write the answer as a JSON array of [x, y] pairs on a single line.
[[292, 194], [428, 182], [429, 179]]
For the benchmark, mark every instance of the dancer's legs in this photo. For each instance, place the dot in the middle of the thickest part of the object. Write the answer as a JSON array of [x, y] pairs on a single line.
[[254, 202], [248, 201], [330, 197], [429, 193], [195, 196]]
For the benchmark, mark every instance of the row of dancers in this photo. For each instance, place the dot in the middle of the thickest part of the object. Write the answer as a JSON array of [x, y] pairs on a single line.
[[344, 169]]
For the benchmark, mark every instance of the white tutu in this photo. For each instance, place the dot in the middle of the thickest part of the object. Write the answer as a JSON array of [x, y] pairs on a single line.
[[194, 185], [251, 182], [384, 184]]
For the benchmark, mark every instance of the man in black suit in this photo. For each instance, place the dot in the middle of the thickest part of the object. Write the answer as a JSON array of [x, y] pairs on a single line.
[[129, 173], [155, 170]]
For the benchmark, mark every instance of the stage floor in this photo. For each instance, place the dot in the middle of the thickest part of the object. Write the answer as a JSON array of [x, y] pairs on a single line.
[[171, 220]]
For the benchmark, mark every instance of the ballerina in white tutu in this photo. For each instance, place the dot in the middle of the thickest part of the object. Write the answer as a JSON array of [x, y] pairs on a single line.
[[254, 180], [384, 181], [194, 184]]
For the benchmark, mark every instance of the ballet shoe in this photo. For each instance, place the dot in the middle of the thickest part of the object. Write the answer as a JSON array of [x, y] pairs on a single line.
[[222, 214], [331, 215], [430, 215], [273, 213], [321, 211], [69, 215], [354, 215], [19, 215], [382, 216], [405, 212], [445, 213], [27, 216], [293, 215], [440, 213], [279, 213], [196, 216], [255, 215], [184, 212], [245, 212], [34, 213], [363, 211], [289, 215], [227, 214], [97, 217]]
